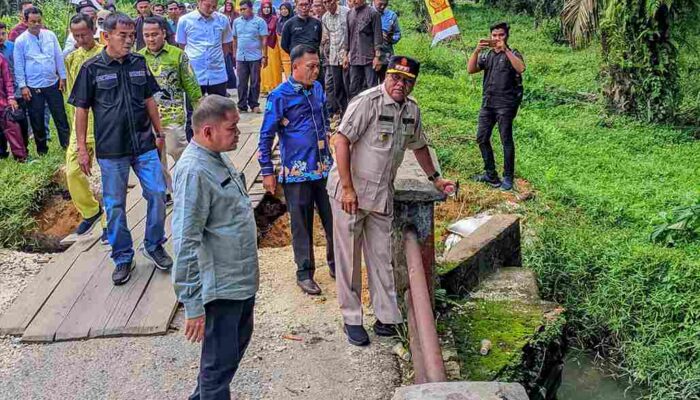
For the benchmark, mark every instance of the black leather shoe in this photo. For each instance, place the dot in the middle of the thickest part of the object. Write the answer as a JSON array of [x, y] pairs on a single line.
[[386, 330], [309, 287], [357, 335], [122, 273]]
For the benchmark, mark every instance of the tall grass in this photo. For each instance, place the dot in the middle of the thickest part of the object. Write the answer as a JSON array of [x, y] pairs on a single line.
[[601, 182]]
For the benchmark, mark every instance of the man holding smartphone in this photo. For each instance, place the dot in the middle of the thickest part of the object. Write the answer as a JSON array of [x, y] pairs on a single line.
[[502, 94]]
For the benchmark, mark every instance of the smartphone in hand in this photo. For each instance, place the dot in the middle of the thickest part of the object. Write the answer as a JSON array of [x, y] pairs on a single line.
[[489, 42]]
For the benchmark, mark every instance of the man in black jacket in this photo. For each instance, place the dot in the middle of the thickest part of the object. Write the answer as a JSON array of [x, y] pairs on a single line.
[[302, 29], [502, 94]]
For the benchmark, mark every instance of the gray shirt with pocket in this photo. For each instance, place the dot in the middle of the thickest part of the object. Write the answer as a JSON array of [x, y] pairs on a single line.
[[214, 232]]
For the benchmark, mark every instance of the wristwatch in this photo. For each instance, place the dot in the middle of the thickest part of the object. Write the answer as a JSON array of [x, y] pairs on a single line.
[[434, 176]]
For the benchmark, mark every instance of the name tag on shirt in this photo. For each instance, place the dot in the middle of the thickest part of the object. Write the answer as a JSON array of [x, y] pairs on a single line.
[[106, 77], [137, 73]]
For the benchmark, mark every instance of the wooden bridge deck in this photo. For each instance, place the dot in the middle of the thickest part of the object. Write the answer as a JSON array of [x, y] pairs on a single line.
[[73, 296]]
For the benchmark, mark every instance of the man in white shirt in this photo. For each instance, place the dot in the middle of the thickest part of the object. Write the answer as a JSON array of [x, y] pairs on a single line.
[[41, 77], [205, 34]]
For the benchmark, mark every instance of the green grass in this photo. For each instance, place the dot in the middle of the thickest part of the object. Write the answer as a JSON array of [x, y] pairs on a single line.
[[23, 187], [601, 182]]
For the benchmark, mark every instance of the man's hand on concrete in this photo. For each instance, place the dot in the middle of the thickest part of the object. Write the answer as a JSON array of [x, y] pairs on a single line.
[[445, 186], [349, 201], [270, 183], [194, 329]]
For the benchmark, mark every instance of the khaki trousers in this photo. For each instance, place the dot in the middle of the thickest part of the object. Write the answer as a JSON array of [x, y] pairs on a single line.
[[369, 233], [175, 144]]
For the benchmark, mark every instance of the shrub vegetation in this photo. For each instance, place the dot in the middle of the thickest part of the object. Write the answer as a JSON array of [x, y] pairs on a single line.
[[601, 182]]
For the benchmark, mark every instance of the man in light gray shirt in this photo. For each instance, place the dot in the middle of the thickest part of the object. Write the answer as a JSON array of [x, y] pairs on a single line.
[[334, 45], [215, 240]]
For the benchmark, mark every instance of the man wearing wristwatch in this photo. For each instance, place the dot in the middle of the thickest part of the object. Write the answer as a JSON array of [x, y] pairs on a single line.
[[365, 42], [118, 86], [379, 125], [249, 46]]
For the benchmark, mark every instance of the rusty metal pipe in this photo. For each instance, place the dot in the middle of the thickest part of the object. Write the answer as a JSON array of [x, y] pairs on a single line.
[[419, 375], [422, 310]]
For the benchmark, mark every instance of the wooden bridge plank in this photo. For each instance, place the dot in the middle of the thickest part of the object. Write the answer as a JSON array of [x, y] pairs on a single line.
[[122, 303], [154, 310], [16, 319], [90, 303], [247, 153], [43, 327]]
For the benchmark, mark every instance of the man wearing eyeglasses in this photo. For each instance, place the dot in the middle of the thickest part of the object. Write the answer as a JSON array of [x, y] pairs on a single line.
[[301, 29], [379, 125]]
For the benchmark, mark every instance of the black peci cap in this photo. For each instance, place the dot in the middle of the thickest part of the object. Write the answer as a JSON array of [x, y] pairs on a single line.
[[84, 4], [403, 65]]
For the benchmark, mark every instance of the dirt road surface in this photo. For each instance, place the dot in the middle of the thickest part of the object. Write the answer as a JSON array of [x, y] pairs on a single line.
[[298, 350]]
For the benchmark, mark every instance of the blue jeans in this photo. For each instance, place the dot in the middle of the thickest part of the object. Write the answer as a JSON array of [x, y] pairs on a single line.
[[115, 176]]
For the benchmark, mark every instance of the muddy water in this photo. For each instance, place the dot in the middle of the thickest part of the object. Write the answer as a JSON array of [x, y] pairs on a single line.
[[584, 380]]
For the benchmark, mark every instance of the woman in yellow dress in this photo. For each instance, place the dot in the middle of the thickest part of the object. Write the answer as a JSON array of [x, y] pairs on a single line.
[[286, 13], [271, 75]]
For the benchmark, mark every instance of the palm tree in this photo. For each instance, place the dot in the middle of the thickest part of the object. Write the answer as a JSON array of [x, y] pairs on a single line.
[[640, 70]]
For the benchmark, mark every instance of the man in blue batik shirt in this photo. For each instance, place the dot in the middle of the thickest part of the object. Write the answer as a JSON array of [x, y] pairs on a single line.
[[391, 32], [296, 112]]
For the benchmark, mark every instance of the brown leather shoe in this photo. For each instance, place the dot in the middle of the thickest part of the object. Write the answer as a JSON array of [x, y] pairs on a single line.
[[309, 287]]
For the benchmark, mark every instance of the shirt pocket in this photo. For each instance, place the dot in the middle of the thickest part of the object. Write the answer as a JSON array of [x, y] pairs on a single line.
[[408, 130], [384, 135], [368, 183], [137, 81], [107, 92]]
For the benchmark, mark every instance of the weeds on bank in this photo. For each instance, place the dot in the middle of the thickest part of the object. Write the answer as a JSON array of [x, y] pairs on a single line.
[[601, 183]]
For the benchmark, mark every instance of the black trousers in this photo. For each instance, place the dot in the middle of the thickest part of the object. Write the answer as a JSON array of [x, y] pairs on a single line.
[[362, 77], [248, 84], [337, 82], [189, 133], [301, 198], [219, 89], [488, 117], [24, 124], [52, 97], [228, 327]]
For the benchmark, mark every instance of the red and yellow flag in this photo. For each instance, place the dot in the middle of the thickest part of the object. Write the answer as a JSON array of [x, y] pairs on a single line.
[[443, 20]]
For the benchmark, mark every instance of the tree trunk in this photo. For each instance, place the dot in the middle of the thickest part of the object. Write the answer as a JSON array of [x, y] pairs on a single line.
[[640, 62]]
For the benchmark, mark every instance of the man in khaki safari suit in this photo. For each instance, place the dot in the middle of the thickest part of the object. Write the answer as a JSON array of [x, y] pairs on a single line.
[[379, 126]]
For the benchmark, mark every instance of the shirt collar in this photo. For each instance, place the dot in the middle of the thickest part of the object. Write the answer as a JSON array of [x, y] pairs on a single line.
[[202, 17], [162, 50], [298, 87], [204, 150], [109, 60]]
